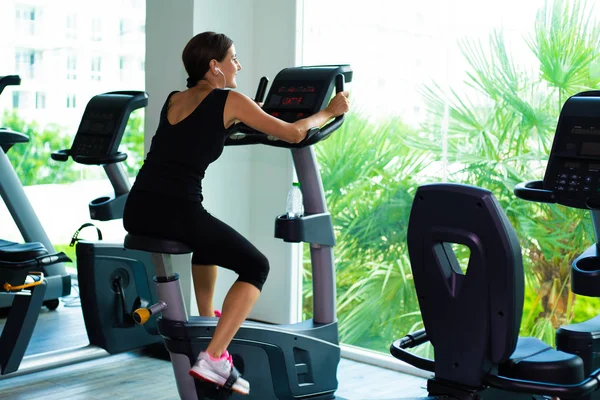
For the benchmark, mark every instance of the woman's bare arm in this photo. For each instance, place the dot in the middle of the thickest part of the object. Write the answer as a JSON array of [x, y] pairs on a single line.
[[242, 108]]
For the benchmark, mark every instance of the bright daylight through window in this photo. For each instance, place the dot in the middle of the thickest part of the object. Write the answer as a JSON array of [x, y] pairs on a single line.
[[462, 91], [65, 53]]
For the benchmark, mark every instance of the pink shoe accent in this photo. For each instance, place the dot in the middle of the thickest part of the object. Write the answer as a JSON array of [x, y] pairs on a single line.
[[217, 313], [225, 355]]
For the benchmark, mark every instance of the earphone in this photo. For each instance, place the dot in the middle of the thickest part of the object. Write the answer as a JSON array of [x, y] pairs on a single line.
[[218, 70]]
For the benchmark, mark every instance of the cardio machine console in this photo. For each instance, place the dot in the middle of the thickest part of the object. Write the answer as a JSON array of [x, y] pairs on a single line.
[[296, 93], [573, 170], [102, 126]]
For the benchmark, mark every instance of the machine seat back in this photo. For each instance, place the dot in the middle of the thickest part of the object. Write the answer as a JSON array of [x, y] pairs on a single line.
[[473, 318]]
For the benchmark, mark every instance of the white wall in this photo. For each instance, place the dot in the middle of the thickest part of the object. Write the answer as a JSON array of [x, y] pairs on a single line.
[[247, 186]]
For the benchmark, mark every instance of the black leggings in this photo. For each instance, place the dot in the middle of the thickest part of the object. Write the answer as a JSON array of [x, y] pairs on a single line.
[[213, 241]]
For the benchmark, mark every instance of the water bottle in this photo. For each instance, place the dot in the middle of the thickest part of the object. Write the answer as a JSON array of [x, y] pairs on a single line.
[[295, 205]]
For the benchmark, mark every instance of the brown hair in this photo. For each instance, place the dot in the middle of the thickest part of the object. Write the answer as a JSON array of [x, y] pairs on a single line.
[[200, 50]]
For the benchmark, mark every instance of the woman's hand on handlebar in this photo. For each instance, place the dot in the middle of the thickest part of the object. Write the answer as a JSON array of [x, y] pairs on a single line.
[[339, 104]]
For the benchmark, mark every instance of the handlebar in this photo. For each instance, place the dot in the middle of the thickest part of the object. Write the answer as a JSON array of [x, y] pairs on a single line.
[[534, 191], [9, 80], [262, 90], [313, 135], [63, 155], [588, 385]]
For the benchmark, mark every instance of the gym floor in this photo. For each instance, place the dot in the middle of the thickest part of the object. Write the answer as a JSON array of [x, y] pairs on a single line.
[[134, 375]]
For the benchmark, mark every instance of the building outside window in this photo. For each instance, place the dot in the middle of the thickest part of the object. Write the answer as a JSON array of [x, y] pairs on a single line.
[[96, 29], [96, 68], [71, 67], [40, 100], [15, 99], [25, 19], [71, 100], [22, 99], [71, 26], [26, 62], [49, 49]]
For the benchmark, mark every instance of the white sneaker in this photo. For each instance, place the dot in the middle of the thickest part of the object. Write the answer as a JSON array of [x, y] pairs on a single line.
[[221, 371]]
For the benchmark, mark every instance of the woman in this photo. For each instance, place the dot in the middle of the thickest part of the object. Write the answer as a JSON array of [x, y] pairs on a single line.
[[166, 198]]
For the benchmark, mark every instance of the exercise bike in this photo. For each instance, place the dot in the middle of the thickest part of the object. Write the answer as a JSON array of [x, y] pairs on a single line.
[[280, 361], [473, 319], [58, 281], [113, 281]]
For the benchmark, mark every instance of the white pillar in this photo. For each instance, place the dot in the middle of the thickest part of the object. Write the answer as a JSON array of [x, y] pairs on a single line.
[[247, 186]]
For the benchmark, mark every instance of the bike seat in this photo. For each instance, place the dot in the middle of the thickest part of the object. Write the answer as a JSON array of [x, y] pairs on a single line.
[[534, 360], [17, 252]]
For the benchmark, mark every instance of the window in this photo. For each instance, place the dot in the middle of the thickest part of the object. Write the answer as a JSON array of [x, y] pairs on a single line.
[[71, 27], [71, 67], [22, 99], [447, 91], [40, 100], [26, 61], [124, 27], [71, 100], [25, 19], [96, 68], [56, 65], [96, 29]]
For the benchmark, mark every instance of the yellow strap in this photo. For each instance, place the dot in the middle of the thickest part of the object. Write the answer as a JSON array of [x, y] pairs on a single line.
[[8, 287]]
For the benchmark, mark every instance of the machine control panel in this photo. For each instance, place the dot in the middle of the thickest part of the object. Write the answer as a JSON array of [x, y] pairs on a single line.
[[573, 171], [102, 126], [297, 93]]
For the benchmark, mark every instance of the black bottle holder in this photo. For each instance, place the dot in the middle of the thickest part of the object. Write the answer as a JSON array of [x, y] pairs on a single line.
[[583, 339], [108, 208], [585, 273], [316, 228]]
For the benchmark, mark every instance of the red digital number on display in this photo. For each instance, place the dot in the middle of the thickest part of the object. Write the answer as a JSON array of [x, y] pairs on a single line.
[[291, 101]]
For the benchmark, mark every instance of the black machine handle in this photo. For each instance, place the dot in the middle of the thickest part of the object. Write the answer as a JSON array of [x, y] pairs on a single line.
[[105, 159], [317, 134], [409, 341], [577, 390], [8, 138], [39, 261], [63, 155], [9, 80], [562, 391], [534, 191], [313, 135], [262, 89]]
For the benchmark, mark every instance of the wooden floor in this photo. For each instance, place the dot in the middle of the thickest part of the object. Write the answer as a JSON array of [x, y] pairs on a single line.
[[137, 376]]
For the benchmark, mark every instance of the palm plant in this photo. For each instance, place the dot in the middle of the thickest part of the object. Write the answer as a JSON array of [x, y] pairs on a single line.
[[495, 137], [501, 135], [370, 178]]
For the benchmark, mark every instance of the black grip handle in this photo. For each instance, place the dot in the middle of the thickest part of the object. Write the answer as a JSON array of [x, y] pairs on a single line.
[[339, 83], [9, 80], [100, 160], [534, 191], [63, 155], [60, 155], [262, 89], [314, 134]]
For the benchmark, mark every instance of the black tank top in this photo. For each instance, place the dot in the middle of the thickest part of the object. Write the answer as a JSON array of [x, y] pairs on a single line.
[[180, 153]]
